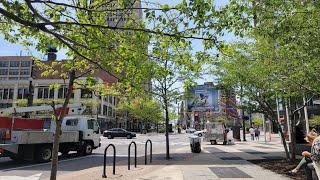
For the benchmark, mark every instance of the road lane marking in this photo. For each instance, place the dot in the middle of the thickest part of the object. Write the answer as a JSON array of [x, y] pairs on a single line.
[[32, 177]]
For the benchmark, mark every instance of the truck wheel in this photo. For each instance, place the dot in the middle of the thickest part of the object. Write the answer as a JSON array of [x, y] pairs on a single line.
[[85, 149], [200, 134], [88, 148], [213, 142], [44, 154]]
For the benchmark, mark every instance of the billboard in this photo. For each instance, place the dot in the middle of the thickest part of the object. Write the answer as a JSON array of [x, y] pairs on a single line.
[[203, 98]]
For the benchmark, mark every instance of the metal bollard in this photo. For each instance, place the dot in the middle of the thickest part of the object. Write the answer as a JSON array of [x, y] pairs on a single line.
[[145, 151], [135, 154], [104, 175]]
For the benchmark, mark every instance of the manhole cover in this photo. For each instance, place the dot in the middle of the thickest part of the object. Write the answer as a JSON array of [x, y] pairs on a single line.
[[231, 158], [229, 172], [174, 158]]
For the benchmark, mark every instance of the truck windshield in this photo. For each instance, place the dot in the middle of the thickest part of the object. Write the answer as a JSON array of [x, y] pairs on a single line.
[[92, 124]]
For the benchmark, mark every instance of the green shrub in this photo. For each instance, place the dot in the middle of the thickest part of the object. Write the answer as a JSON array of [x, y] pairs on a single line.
[[162, 130]]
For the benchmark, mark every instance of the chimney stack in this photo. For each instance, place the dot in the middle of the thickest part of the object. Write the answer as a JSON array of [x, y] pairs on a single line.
[[52, 56]]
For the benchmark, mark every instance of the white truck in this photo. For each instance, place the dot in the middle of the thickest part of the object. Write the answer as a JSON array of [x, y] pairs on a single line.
[[217, 132], [79, 133]]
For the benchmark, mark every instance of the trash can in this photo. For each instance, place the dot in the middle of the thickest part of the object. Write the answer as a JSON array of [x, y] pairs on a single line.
[[195, 144]]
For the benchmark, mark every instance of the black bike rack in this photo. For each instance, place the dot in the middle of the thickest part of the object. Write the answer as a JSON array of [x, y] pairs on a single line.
[[135, 154], [145, 151], [104, 175]]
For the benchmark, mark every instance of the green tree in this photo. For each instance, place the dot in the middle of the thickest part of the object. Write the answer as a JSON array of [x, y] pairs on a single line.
[[142, 108], [82, 29]]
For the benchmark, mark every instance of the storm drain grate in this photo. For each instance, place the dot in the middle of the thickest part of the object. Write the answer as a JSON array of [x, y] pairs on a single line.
[[256, 152], [250, 151], [264, 147], [231, 158], [273, 157], [229, 172]]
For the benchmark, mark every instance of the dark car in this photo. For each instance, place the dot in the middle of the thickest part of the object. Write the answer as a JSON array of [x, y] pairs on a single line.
[[118, 132]]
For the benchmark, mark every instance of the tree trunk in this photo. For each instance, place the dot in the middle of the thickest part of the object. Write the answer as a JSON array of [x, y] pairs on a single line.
[[293, 137], [55, 151], [167, 130], [283, 141], [59, 118], [282, 137]]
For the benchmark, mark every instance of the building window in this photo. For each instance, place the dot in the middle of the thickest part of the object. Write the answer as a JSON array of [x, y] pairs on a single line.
[[24, 78], [110, 100], [24, 72], [3, 78], [6, 93], [4, 71], [63, 91], [45, 93], [105, 109], [86, 93], [14, 72], [4, 63], [13, 78], [14, 63], [1, 93], [25, 63], [11, 93], [23, 93], [110, 111]]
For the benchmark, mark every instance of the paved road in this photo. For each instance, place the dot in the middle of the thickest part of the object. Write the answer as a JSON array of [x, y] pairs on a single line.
[[73, 163]]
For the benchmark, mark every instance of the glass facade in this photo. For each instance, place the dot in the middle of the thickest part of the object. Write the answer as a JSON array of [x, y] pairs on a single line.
[[14, 72], [14, 63], [4, 71], [4, 63], [25, 63], [24, 72]]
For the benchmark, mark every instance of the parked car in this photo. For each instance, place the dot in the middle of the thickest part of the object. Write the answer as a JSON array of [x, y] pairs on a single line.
[[190, 130], [200, 133], [118, 132]]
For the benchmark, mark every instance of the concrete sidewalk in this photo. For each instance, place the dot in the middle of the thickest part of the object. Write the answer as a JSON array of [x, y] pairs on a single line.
[[214, 162]]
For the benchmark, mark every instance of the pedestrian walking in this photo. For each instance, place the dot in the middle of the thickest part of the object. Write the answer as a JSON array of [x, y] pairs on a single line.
[[251, 130], [257, 133]]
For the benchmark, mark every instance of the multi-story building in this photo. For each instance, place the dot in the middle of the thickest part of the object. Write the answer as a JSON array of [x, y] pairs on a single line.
[[16, 72], [206, 101]]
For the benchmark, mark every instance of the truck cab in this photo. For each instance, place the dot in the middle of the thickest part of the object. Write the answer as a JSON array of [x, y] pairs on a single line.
[[88, 127]]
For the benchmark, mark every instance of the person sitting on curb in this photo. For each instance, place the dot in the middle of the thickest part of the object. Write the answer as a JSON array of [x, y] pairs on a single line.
[[313, 157]]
